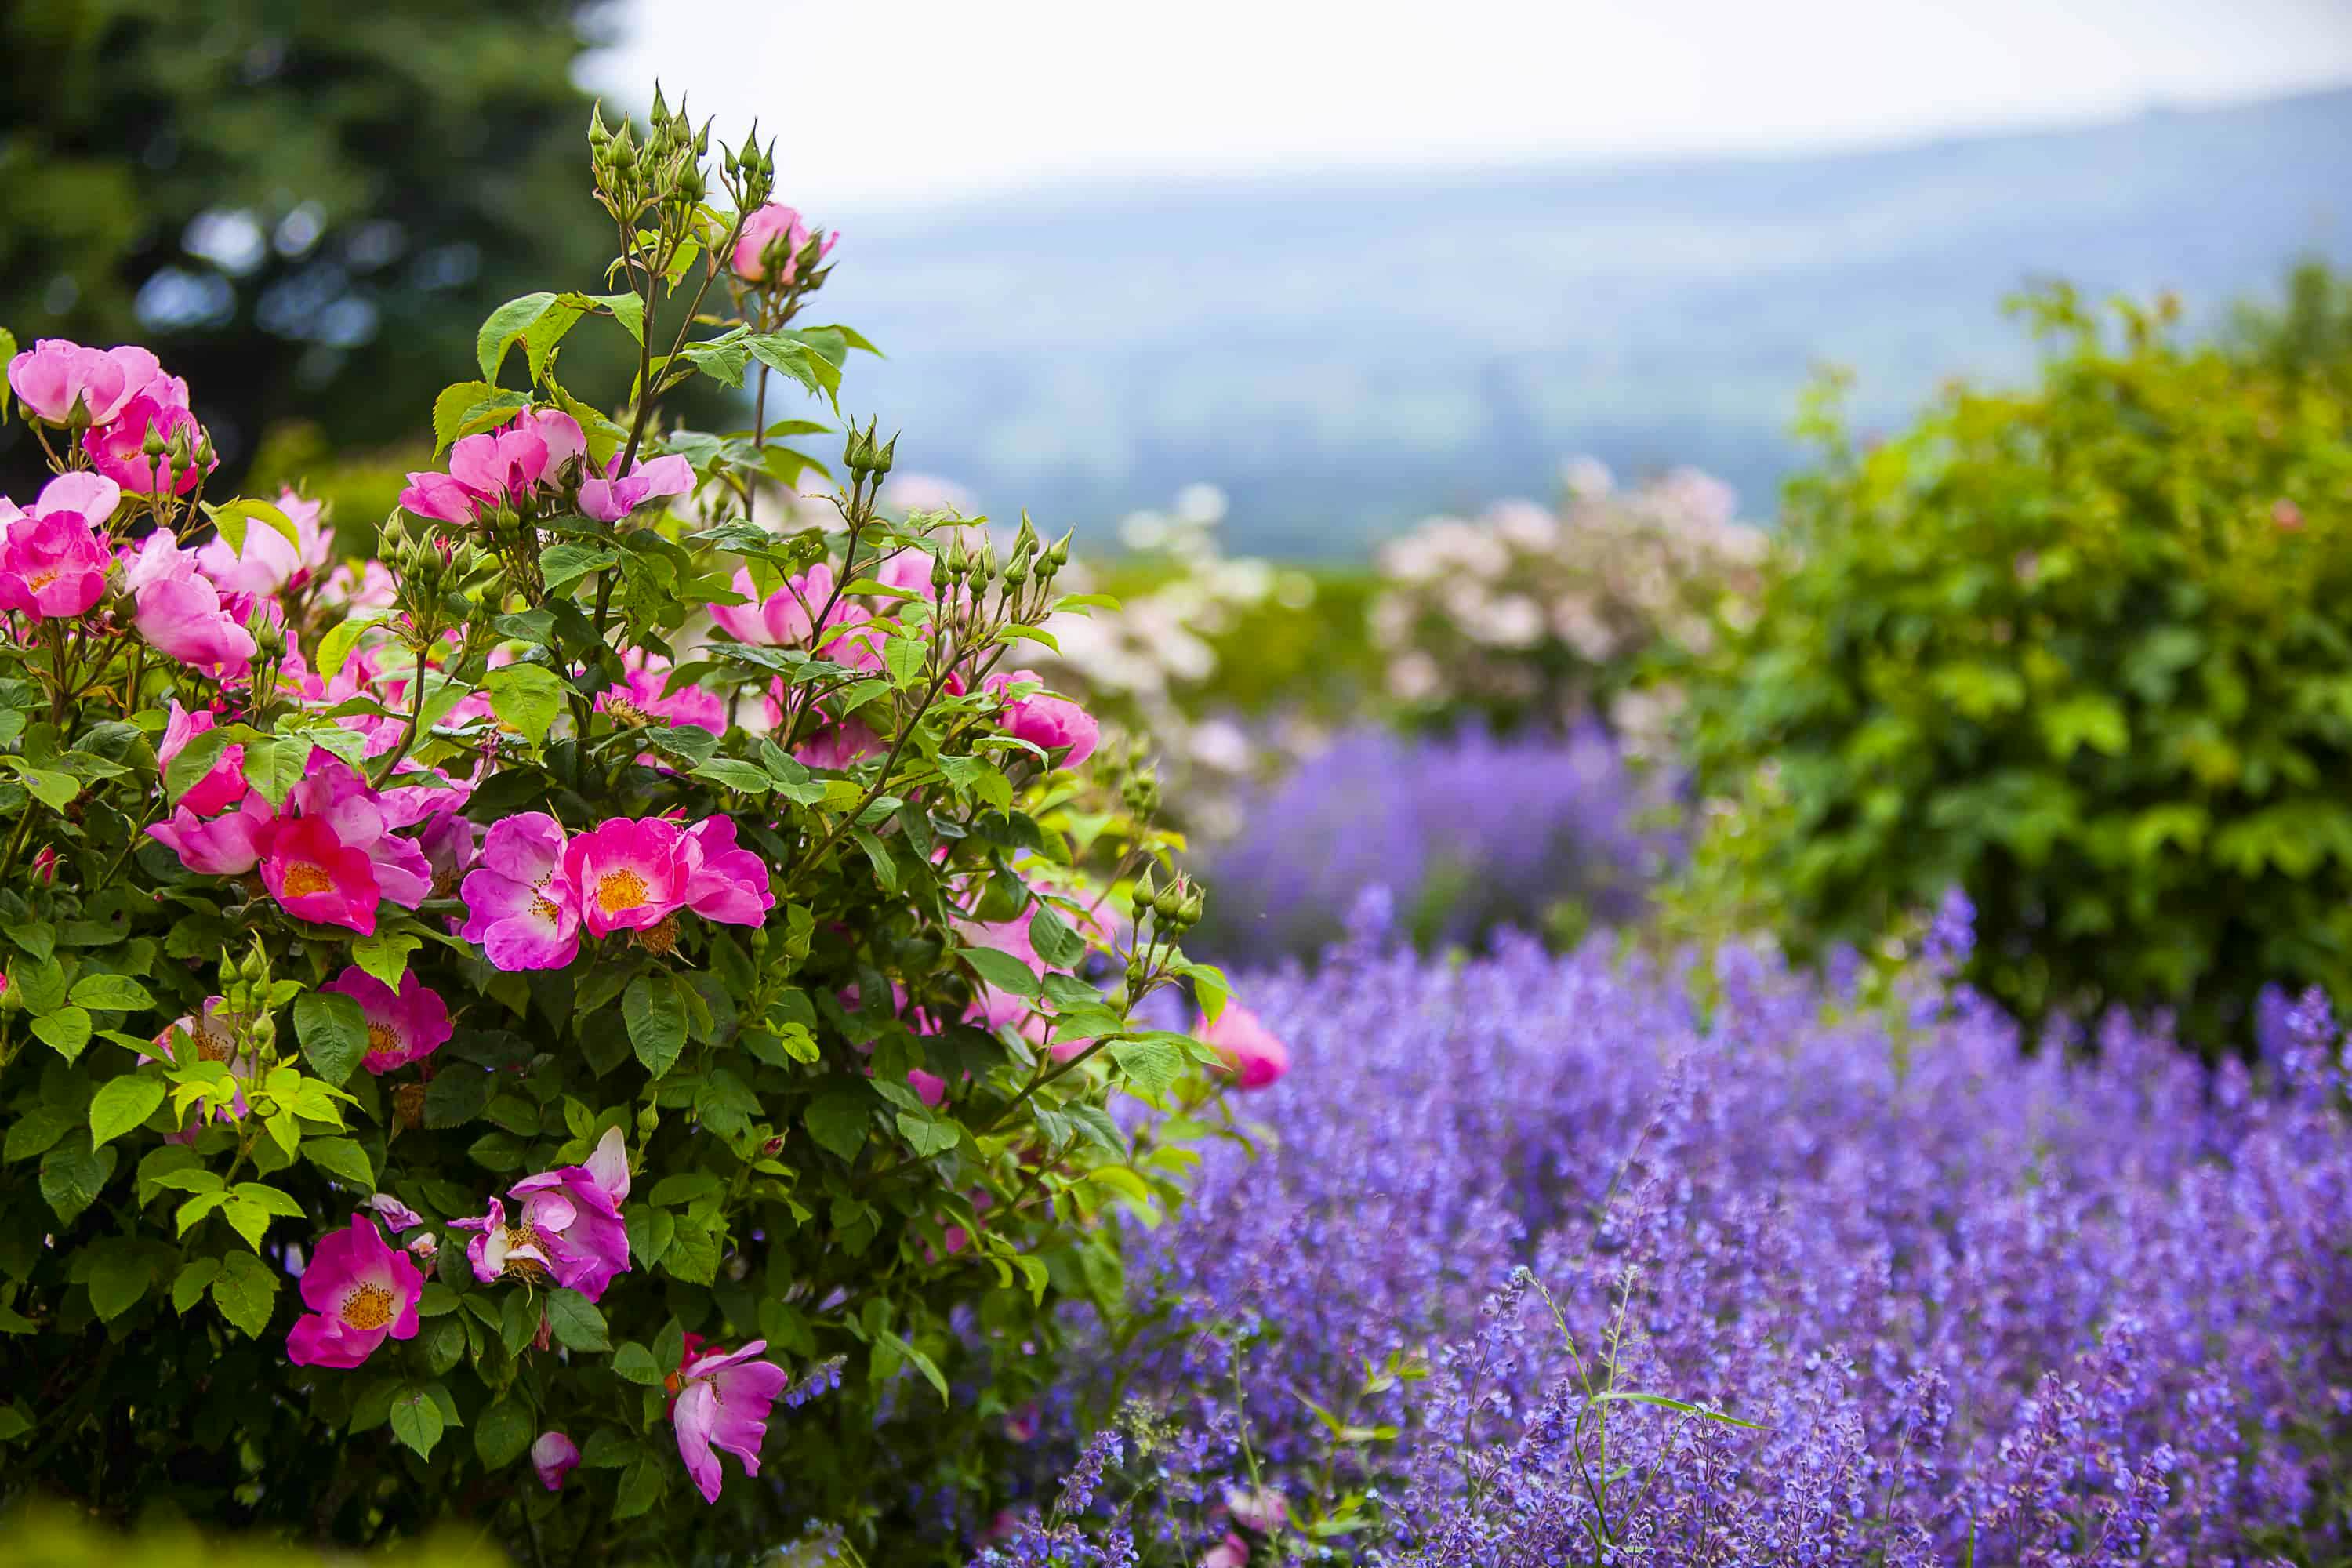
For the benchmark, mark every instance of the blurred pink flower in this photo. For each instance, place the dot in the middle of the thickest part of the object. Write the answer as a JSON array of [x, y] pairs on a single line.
[[1252, 1053], [555, 1456], [1049, 722]]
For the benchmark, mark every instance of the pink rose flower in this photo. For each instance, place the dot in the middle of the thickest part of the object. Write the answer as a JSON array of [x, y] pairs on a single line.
[[567, 1226], [403, 1026], [315, 875], [1044, 721], [555, 1456], [723, 1401], [724, 883], [220, 789], [180, 611], [359, 1290], [518, 905], [1233, 1551], [608, 497], [53, 565], [1262, 1510], [1251, 1054], [93, 497], [62, 383], [627, 872], [498, 466], [839, 745], [227, 845], [783, 618], [334, 791], [772, 242], [397, 1214], [118, 449]]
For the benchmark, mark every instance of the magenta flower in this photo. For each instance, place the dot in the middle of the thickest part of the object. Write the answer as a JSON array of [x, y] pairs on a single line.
[[1233, 1551], [723, 882], [628, 874], [1252, 1053], [118, 449], [403, 1026], [771, 245], [220, 789], [227, 845], [397, 1214], [839, 745], [315, 875], [555, 1456], [52, 566], [334, 791], [1044, 721], [359, 1291], [180, 611], [497, 467], [722, 1402], [567, 1227], [784, 617], [518, 905], [62, 383], [608, 498]]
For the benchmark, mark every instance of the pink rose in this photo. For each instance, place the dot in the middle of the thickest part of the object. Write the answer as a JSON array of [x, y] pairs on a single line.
[[723, 1402], [403, 1026], [1049, 722], [1252, 1053], [772, 242], [62, 383], [360, 1291]]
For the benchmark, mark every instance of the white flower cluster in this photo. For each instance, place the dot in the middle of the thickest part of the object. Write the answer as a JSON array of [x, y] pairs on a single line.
[[1527, 610]]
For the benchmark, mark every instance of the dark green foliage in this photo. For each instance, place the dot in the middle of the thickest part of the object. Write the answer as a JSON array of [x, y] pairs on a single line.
[[2083, 649], [370, 180]]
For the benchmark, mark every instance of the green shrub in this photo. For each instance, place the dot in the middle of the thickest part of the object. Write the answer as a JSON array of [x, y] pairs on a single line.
[[2084, 651]]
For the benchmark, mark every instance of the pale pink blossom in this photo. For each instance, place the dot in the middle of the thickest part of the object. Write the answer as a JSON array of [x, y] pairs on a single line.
[[555, 1456], [1049, 722], [773, 239], [62, 383], [609, 498], [723, 1401]]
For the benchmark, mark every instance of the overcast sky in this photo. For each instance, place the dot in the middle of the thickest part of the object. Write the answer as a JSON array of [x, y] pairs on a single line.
[[903, 102]]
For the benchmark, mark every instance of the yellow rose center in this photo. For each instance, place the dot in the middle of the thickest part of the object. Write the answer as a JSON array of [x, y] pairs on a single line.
[[618, 890], [521, 1235], [369, 1307], [302, 879], [544, 908], [627, 711], [383, 1038]]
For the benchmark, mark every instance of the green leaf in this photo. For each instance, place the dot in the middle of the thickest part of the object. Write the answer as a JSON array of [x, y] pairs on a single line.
[[340, 1157], [117, 992], [656, 1015], [231, 517], [188, 1287], [1002, 970], [335, 649], [468, 406], [922, 1363], [502, 1433], [730, 773], [527, 699], [66, 1030], [839, 1118], [334, 1029], [564, 564], [120, 1273], [41, 987], [275, 764], [37, 1128], [504, 327], [925, 1135], [385, 955], [1055, 942], [637, 1364], [641, 1488], [244, 1292], [53, 789], [1153, 1066], [416, 1419], [575, 1321], [122, 1104]]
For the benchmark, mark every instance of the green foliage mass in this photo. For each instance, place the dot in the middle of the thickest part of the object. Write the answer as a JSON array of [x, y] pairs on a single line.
[[368, 182], [2083, 649]]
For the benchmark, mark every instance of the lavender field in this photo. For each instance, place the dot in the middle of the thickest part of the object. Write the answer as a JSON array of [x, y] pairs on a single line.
[[1540, 1261]]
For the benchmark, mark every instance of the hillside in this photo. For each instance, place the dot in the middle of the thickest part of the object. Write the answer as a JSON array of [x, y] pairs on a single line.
[[1345, 354]]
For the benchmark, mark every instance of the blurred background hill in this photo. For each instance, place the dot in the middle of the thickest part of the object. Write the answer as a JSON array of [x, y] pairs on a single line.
[[1343, 355]]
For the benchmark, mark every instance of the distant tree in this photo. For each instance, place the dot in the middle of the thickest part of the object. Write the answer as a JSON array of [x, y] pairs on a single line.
[[306, 209], [2309, 335]]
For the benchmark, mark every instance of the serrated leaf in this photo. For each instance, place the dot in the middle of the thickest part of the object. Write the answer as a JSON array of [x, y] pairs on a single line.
[[333, 1030], [502, 1433], [468, 406], [119, 1274], [117, 992], [340, 1157], [575, 1321], [1002, 970], [188, 1286], [641, 1488], [244, 1292], [637, 1364], [504, 327], [335, 649], [416, 1419], [926, 1135], [527, 699], [839, 1119], [122, 1104], [656, 1015], [66, 1031], [72, 1175], [385, 955]]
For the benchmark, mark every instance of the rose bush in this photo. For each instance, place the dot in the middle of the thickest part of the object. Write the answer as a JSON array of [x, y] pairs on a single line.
[[600, 1022]]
